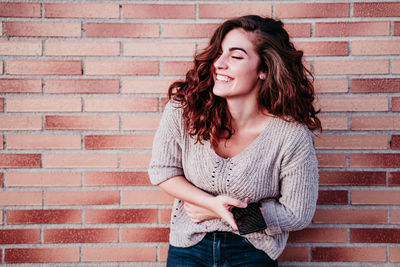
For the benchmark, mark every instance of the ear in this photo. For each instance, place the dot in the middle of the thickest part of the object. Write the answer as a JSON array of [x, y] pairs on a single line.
[[262, 76]]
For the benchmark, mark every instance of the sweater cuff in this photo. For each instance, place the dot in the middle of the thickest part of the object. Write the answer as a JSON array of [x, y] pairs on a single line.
[[157, 176], [271, 217]]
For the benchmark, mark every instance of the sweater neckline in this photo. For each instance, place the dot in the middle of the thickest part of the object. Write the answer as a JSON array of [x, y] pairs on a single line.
[[247, 148]]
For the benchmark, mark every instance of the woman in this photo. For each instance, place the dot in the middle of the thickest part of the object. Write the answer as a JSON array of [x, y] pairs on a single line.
[[237, 130]]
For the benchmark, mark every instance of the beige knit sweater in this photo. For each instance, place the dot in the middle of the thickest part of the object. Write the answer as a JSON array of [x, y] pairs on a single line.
[[279, 168]]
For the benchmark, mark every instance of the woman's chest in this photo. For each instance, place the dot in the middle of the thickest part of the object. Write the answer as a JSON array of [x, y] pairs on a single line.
[[251, 174]]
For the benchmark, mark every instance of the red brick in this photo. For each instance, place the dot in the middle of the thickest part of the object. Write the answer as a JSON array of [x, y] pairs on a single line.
[[332, 197], [298, 29], [395, 103], [43, 29], [365, 103], [349, 254], [395, 142], [116, 178], [375, 123], [79, 197], [294, 254], [74, 48], [351, 142], [20, 86], [395, 216], [337, 67], [83, 160], [1, 185], [122, 30], [44, 67], [145, 234], [331, 160], [140, 123], [315, 10], [394, 178], [381, 160], [44, 104], [120, 104], [323, 48], [217, 11], [20, 123], [146, 197], [19, 236], [107, 254], [81, 86], [121, 67], [163, 253], [1, 104], [165, 215], [395, 66], [385, 85], [118, 141], [158, 11], [359, 28], [186, 30], [28, 10], [20, 160], [20, 198], [134, 161], [43, 179], [375, 47], [55, 122], [85, 235], [43, 216], [20, 48], [72, 10], [319, 235], [376, 235], [121, 216], [159, 49], [175, 68], [147, 86], [375, 197], [396, 30], [322, 86], [334, 122], [394, 254], [38, 255], [376, 9], [353, 178], [350, 216]]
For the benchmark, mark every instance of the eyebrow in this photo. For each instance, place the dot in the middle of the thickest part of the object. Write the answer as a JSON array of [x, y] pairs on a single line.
[[237, 48]]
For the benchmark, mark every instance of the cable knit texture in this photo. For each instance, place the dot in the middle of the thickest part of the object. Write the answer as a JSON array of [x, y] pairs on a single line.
[[279, 169]]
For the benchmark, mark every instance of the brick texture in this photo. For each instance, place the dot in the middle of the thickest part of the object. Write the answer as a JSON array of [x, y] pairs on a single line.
[[83, 85]]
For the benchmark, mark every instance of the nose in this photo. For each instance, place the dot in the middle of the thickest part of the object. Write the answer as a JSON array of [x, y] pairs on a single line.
[[220, 62]]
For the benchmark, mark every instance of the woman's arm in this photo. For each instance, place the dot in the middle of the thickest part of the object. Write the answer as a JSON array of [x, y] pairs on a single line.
[[206, 205]]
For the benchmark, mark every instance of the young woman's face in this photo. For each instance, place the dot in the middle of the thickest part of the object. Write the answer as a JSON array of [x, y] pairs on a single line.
[[235, 70]]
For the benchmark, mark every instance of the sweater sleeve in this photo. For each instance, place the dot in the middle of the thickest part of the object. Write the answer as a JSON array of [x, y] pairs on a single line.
[[166, 160], [295, 207]]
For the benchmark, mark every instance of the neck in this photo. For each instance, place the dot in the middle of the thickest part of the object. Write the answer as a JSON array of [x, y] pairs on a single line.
[[245, 113]]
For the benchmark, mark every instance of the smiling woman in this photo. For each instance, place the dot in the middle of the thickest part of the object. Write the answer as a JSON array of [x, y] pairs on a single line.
[[237, 131]]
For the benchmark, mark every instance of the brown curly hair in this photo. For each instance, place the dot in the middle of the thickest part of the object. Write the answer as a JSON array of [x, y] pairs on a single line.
[[286, 92]]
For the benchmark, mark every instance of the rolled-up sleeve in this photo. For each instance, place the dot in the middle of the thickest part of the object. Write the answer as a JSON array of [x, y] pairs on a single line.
[[166, 160]]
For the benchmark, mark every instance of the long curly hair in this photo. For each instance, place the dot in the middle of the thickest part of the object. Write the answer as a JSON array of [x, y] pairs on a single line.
[[287, 92]]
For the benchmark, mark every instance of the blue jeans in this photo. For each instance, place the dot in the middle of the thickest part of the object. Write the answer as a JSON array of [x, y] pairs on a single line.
[[219, 249]]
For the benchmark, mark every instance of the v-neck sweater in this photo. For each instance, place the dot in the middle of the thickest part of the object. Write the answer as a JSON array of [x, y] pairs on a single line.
[[279, 169]]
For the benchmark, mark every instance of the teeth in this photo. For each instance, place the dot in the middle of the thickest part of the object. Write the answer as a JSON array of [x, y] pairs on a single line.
[[223, 78]]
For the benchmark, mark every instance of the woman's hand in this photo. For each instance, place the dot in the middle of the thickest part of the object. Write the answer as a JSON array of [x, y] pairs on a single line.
[[217, 207]]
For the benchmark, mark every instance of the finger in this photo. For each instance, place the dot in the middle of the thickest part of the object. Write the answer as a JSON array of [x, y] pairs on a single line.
[[235, 202]]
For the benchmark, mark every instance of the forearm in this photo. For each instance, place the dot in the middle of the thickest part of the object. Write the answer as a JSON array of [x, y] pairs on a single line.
[[182, 189]]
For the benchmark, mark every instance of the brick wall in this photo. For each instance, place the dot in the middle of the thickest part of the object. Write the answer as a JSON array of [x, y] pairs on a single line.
[[82, 88]]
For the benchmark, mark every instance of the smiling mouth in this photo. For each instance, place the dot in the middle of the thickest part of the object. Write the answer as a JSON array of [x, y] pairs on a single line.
[[223, 78]]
